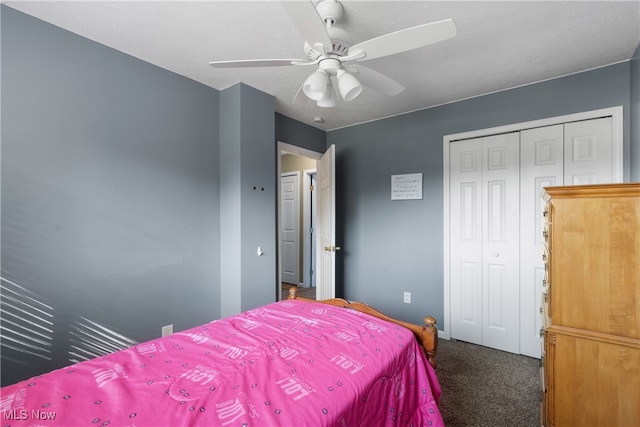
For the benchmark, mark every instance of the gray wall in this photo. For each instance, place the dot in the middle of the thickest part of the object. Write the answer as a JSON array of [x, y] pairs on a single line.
[[299, 134], [110, 190], [230, 201], [258, 216], [247, 199], [635, 116], [395, 246]]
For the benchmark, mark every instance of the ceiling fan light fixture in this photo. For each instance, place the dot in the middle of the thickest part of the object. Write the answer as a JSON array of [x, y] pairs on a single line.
[[315, 87], [329, 47], [329, 98], [348, 85]]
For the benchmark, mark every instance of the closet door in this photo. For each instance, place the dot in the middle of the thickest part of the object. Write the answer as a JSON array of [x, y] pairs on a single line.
[[566, 154], [501, 241], [541, 165], [484, 240], [466, 240], [588, 152], [495, 222]]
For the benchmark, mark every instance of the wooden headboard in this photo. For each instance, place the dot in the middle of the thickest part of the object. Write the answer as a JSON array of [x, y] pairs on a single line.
[[427, 335]]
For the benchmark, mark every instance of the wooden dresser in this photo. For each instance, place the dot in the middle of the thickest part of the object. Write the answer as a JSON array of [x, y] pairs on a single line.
[[591, 309]]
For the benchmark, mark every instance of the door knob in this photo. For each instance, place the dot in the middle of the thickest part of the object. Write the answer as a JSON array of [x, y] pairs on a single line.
[[331, 248]]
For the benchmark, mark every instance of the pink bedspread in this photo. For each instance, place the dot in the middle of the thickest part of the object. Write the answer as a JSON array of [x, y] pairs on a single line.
[[291, 363]]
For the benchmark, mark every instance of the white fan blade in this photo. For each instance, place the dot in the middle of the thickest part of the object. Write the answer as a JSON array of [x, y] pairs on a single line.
[[300, 97], [407, 39], [305, 17], [248, 63], [378, 81]]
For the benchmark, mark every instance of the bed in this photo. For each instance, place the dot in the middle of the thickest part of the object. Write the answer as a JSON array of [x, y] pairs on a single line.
[[291, 363]]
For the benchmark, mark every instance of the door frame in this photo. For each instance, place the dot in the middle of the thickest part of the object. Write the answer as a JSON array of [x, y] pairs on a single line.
[[616, 114], [284, 147], [308, 218]]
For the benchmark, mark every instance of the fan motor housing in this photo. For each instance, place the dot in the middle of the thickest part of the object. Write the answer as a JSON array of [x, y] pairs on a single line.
[[329, 10], [340, 40], [340, 44]]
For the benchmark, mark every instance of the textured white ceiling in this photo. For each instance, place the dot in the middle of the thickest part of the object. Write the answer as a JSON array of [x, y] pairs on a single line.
[[500, 45]]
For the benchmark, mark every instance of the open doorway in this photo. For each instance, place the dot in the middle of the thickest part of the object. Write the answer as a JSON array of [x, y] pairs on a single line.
[[297, 224], [324, 227]]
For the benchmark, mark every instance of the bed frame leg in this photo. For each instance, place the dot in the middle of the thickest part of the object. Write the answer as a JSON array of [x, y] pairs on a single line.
[[430, 339]]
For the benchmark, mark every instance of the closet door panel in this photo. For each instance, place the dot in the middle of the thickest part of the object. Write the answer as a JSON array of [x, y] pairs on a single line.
[[588, 152], [541, 165], [465, 240], [500, 231]]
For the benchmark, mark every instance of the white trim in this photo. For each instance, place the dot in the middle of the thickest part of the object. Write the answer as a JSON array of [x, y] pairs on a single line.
[[298, 151], [616, 114], [617, 136], [445, 224], [290, 173], [306, 225], [475, 96], [292, 149]]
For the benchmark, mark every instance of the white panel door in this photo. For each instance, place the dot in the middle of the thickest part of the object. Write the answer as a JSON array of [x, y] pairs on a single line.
[[466, 240], [484, 240], [487, 212], [326, 225], [501, 241], [588, 152], [541, 165], [290, 227]]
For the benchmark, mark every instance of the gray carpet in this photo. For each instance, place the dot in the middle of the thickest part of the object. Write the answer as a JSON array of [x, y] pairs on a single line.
[[487, 387]]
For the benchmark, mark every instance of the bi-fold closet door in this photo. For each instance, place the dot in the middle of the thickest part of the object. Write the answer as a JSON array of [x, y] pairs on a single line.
[[495, 236], [484, 199]]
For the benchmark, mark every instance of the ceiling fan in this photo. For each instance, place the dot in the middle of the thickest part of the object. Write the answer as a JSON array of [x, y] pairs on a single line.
[[328, 47]]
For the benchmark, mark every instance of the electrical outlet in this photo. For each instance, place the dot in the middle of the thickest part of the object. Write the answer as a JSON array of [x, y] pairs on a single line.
[[167, 330], [407, 297]]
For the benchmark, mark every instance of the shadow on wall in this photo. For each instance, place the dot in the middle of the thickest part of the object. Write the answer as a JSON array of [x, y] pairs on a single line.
[[27, 337]]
